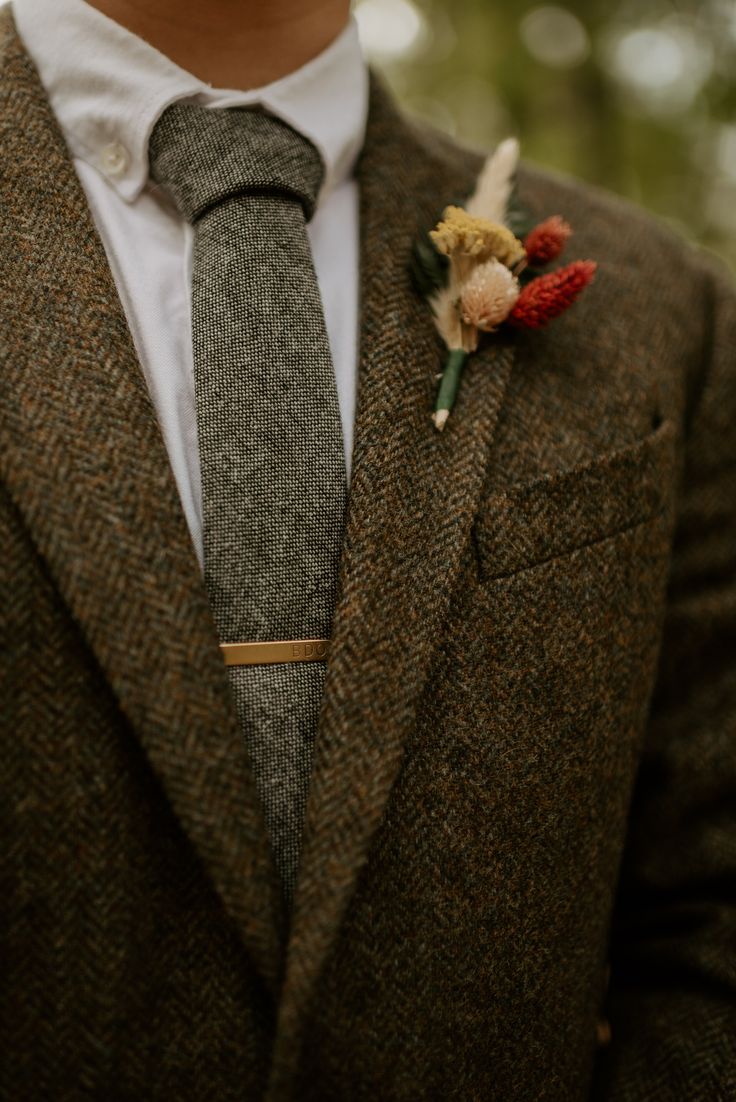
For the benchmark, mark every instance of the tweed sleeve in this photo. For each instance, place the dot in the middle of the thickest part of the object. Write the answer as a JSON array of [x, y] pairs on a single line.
[[672, 996]]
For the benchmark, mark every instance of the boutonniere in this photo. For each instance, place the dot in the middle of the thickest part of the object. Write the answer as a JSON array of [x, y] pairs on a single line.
[[480, 275]]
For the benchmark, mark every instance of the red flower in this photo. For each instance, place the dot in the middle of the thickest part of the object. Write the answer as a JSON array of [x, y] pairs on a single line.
[[550, 295], [547, 240]]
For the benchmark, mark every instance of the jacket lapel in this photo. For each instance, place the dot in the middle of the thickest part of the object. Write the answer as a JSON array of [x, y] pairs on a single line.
[[414, 493], [84, 460]]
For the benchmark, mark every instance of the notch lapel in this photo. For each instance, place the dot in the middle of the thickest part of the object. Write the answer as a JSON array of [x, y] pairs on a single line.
[[413, 496], [84, 460]]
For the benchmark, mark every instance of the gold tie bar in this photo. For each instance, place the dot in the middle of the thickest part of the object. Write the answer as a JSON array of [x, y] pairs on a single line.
[[287, 650]]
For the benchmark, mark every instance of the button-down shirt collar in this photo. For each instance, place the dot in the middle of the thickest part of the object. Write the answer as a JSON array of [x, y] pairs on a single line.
[[108, 87]]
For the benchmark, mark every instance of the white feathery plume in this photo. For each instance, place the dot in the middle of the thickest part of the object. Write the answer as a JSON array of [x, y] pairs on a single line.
[[446, 314], [445, 305], [496, 180]]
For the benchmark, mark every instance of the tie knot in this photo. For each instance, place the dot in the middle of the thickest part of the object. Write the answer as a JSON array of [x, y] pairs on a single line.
[[202, 155]]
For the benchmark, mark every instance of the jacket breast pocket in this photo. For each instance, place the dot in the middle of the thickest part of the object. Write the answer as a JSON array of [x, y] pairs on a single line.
[[534, 523]]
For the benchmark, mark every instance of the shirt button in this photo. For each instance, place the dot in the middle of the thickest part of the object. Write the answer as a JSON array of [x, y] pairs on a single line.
[[114, 159]]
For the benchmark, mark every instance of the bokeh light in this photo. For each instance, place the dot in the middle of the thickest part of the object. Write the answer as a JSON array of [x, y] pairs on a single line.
[[555, 36], [665, 65], [391, 28]]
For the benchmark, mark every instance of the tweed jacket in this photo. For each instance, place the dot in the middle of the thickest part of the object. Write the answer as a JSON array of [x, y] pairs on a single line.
[[525, 769]]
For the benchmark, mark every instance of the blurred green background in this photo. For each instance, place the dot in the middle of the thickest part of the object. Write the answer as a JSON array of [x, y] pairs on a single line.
[[637, 95]]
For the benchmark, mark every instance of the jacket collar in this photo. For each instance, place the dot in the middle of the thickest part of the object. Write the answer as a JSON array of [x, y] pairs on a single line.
[[87, 467]]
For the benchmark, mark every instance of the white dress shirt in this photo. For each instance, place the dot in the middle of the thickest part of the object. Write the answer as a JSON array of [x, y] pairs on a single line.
[[107, 88]]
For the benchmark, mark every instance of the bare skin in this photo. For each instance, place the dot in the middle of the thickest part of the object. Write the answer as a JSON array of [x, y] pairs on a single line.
[[236, 44]]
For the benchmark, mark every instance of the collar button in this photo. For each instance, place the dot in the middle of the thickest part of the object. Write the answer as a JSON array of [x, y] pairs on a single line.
[[114, 159]]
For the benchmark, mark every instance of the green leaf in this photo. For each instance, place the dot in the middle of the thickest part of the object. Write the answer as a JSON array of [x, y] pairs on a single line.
[[428, 267], [529, 274], [518, 219]]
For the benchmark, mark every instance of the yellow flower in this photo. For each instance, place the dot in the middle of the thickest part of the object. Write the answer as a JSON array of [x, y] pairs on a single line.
[[462, 235]]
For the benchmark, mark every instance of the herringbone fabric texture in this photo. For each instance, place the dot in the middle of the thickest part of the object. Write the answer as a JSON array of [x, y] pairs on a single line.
[[268, 423], [525, 769]]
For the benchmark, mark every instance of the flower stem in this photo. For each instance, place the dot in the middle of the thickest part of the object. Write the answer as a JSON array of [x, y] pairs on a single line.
[[449, 386]]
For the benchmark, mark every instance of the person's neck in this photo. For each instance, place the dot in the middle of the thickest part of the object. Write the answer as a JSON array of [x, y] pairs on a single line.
[[237, 44]]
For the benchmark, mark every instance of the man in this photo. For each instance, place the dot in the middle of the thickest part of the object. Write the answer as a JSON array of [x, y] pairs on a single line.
[[513, 728]]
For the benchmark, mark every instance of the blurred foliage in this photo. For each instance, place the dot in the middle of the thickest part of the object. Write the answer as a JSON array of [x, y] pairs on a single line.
[[638, 96]]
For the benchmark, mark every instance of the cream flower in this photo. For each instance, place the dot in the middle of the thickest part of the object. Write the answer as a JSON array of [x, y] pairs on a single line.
[[489, 295]]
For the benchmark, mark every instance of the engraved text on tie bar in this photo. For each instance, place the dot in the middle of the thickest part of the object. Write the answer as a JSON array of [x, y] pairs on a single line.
[[287, 650]]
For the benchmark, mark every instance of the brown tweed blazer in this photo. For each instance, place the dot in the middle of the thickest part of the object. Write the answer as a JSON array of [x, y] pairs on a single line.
[[526, 763]]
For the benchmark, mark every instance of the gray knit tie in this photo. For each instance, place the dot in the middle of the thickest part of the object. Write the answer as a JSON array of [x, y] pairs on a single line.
[[274, 483]]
